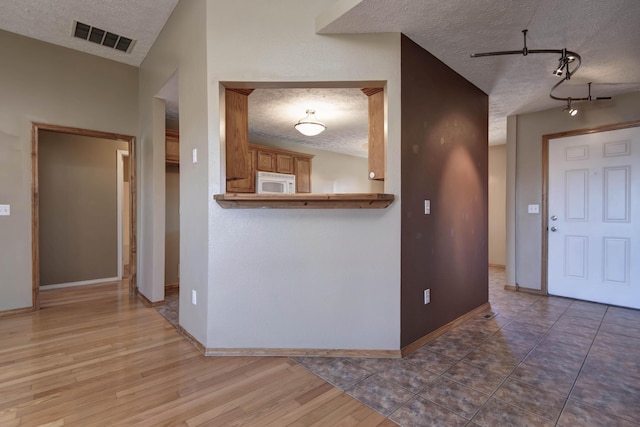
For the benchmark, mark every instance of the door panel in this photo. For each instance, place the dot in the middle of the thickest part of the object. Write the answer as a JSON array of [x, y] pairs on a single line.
[[594, 217]]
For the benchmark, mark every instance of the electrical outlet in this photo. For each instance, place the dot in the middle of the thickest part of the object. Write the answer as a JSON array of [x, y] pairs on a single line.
[[194, 297], [427, 296], [5, 210]]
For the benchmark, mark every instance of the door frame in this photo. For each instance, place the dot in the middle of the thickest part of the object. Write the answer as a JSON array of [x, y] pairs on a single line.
[[35, 202], [545, 186], [120, 155]]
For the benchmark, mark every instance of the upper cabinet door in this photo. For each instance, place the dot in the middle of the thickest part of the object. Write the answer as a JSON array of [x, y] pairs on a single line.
[[237, 132], [303, 174], [376, 132], [284, 163], [247, 185], [266, 161]]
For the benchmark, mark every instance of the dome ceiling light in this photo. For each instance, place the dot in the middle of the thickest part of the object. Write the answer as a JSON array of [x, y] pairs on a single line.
[[309, 125]]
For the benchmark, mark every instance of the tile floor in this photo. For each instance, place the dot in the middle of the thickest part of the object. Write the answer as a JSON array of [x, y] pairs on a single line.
[[540, 361], [171, 306]]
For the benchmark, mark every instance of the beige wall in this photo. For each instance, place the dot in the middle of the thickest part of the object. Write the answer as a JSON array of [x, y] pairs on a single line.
[[344, 259], [172, 225], [524, 143], [497, 204], [40, 82], [78, 207], [181, 47], [331, 172], [335, 271]]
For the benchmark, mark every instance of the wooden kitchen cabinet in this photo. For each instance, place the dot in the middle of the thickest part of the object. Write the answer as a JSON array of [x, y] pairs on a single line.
[[172, 146], [270, 159], [376, 132], [303, 174], [284, 163], [237, 132], [267, 161], [246, 185]]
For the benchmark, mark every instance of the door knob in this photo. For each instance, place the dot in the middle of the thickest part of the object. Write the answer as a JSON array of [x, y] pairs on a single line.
[[554, 229], [554, 218]]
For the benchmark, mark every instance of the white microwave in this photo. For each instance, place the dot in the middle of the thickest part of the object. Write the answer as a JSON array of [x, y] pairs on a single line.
[[275, 183]]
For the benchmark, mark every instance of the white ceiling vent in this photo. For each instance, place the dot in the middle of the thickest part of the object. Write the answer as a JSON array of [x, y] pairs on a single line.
[[102, 37]]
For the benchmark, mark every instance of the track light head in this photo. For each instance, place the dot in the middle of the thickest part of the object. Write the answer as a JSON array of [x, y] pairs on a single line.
[[572, 111]]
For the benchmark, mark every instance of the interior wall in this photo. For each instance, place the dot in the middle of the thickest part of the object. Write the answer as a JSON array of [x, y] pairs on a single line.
[[331, 172], [528, 147], [497, 204], [444, 160], [172, 225], [283, 278], [40, 82], [78, 210], [180, 46]]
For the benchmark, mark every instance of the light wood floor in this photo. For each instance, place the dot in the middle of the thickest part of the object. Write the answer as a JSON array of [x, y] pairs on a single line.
[[93, 356]]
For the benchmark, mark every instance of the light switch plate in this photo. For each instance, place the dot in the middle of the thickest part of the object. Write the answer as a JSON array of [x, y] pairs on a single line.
[[5, 210], [427, 207], [194, 155], [533, 209]]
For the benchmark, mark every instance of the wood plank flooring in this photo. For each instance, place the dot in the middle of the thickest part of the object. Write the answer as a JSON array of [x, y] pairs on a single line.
[[93, 356]]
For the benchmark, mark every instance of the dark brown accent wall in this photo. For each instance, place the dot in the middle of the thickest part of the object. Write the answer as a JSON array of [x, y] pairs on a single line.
[[444, 160]]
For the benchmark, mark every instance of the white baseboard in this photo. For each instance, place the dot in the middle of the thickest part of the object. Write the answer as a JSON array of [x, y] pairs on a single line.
[[82, 283]]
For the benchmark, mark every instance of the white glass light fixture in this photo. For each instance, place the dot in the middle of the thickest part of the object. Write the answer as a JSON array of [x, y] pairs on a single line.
[[309, 125]]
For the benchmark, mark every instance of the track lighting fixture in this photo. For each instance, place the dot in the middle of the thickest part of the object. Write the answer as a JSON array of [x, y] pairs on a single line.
[[558, 71], [569, 109], [563, 69]]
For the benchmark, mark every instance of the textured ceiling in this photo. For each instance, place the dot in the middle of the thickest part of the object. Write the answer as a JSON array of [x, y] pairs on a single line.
[[273, 112], [605, 33], [52, 21]]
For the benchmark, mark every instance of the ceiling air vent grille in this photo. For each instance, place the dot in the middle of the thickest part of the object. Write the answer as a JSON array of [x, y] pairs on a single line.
[[102, 37]]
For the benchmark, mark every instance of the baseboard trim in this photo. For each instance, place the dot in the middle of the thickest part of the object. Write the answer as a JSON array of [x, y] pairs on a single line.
[[171, 286], [197, 344], [518, 288], [314, 352], [146, 301], [441, 330], [80, 283], [284, 352], [500, 266], [302, 352], [16, 311]]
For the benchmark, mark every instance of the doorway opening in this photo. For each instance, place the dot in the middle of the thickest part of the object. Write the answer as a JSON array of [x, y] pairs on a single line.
[[170, 94], [128, 142]]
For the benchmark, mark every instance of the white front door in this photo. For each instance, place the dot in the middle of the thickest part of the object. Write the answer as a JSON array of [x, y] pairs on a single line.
[[594, 217]]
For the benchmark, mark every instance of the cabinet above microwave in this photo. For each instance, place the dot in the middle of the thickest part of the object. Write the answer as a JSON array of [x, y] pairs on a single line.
[[269, 159]]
